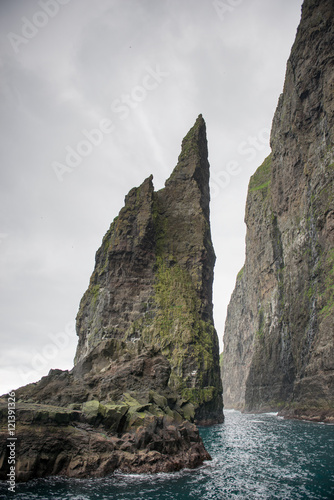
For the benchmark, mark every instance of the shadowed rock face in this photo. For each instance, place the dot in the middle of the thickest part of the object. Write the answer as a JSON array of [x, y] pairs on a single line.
[[147, 364], [279, 335]]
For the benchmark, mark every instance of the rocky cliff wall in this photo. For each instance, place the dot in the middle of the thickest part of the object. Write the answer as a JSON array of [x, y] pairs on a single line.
[[279, 334]]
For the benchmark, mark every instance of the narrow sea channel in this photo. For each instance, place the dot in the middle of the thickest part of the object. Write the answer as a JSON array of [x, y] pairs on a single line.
[[254, 457]]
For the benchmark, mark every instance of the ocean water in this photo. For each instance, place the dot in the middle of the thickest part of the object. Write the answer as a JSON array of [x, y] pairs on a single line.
[[254, 457]]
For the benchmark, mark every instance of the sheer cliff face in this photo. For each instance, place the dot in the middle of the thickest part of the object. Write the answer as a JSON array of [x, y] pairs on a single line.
[[152, 282], [279, 334]]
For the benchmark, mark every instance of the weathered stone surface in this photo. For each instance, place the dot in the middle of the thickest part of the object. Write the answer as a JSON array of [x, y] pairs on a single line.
[[279, 335], [147, 362]]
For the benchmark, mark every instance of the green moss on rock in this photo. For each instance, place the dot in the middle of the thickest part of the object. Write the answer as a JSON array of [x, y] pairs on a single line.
[[240, 273], [261, 178], [92, 411]]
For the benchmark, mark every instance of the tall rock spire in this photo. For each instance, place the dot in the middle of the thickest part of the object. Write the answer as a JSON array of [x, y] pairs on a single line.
[[153, 276], [147, 361]]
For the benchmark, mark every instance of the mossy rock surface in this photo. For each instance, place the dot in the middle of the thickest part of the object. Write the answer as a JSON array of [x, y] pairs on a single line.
[[92, 410], [159, 400], [261, 178], [113, 415], [139, 418], [188, 411]]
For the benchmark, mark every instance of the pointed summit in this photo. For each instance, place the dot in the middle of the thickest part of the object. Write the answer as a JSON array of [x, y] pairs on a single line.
[[193, 164], [194, 145], [194, 152]]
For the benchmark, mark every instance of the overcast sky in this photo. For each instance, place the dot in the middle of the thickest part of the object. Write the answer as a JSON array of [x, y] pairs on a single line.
[[95, 97]]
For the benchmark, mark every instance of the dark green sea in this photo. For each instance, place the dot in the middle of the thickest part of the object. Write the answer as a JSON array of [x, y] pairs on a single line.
[[253, 457]]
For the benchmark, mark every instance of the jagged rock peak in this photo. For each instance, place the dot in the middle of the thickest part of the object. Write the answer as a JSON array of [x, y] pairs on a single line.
[[147, 362], [153, 279], [194, 154], [193, 162], [140, 193]]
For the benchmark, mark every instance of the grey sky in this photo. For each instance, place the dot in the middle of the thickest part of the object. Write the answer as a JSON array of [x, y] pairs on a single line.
[[142, 70]]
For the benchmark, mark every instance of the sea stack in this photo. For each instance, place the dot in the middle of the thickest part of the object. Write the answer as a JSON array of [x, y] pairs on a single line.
[[279, 333], [152, 282], [147, 363]]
